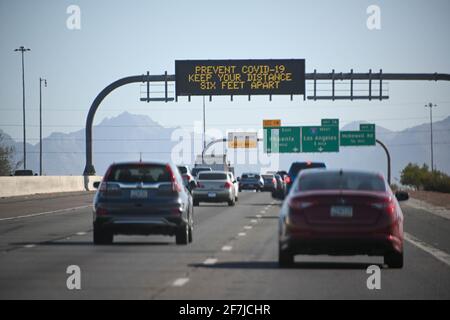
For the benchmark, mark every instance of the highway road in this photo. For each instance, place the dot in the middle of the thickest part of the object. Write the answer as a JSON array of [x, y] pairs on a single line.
[[233, 256]]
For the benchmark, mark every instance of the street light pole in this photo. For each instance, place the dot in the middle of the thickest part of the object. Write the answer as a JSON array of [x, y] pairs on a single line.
[[204, 127], [430, 105], [40, 122], [22, 49]]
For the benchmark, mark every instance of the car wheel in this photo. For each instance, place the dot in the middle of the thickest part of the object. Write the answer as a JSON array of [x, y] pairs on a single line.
[[182, 236], [394, 259], [196, 203], [231, 203], [236, 199], [285, 258], [191, 231], [102, 237]]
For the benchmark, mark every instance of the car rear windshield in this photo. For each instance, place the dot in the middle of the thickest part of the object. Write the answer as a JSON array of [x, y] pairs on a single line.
[[195, 171], [250, 176], [182, 170], [296, 167], [267, 176], [139, 173], [336, 181], [212, 176]]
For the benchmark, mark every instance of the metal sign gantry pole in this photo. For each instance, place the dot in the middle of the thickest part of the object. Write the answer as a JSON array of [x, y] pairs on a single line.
[[89, 167]]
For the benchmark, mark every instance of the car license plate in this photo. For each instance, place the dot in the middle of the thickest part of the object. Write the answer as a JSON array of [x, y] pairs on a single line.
[[341, 211], [138, 194], [211, 194]]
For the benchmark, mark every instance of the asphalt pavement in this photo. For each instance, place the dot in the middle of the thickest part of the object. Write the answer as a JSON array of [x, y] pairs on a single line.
[[233, 256]]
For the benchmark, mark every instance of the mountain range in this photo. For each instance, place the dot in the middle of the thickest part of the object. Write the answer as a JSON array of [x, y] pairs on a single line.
[[130, 137]]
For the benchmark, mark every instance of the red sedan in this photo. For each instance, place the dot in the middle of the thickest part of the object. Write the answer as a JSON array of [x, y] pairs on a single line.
[[339, 212]]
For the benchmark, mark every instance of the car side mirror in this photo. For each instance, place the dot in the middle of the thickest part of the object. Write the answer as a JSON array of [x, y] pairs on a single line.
[[192, 185], [96, 184], [402, 195]]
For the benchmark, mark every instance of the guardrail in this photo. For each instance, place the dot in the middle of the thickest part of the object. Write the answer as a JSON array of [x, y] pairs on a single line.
[[27, 185]]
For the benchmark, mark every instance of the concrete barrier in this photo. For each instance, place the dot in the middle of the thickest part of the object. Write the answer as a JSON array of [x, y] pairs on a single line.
[[26, 185]]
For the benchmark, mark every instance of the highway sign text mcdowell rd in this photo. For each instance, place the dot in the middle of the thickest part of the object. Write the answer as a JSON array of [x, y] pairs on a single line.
[[357, 138]]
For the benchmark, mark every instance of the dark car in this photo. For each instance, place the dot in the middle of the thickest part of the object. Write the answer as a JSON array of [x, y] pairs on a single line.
[[142, 198], [296, 168], [339, 212], [23, 173], [280, 190], [251, 181], [196, 170], [270, 182]]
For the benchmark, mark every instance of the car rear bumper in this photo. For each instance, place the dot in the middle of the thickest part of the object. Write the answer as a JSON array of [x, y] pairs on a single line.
[[348, 244], [249, 187], [140, 225], [206, 196]]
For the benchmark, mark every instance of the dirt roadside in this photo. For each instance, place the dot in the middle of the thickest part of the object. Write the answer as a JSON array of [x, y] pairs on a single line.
[[435, 198]]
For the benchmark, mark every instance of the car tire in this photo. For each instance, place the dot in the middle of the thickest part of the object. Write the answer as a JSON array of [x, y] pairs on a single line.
[[231, 203], [394, 259], [196, 203], [285, 258], [182, 235], [102, 237]]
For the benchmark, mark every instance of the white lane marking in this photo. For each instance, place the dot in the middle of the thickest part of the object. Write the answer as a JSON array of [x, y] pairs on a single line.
[[258, 216], [242, 234], [227, 248], [438, 254], [29, 246], [82, 233], [262, 211], [45, 213], [210, 261], [422, 205], [253, 221], [247, 227], [180, 282]]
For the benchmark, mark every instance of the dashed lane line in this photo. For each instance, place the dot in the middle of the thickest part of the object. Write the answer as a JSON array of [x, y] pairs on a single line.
[[32, 215]]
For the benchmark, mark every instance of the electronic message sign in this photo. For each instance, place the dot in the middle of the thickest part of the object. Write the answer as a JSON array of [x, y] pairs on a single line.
[[239, 77]]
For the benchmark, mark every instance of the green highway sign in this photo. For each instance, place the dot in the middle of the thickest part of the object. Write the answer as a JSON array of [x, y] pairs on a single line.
[[367, 127], [320, 139], [357, 138], [282, 139], [330, 122]]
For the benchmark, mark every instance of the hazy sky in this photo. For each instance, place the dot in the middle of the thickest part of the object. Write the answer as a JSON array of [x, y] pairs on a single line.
[[122, 38]]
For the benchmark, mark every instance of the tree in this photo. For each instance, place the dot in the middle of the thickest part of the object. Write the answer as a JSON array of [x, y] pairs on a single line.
[[6, 154]]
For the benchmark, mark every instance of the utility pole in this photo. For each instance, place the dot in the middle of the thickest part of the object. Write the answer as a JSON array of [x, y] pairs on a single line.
[[430, 105], [40, 122], [22, 49], [204, 126]]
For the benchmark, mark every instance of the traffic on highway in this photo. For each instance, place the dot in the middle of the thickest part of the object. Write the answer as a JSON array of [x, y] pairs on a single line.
[[225, 156]]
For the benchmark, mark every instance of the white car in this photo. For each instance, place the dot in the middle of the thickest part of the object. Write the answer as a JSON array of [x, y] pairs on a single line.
[[235, 184]]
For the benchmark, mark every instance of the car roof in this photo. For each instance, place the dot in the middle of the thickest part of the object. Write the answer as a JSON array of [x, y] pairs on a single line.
[[344, 171], [141, 163]]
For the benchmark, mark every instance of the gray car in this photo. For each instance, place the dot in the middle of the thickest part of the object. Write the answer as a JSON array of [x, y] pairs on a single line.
[[214, 186], [142, 198]]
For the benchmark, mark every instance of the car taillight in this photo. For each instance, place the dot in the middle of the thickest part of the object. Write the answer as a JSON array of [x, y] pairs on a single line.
[[297, 204], [274, 181], [110, 189], [101, 212], [227, 185], [175, 185], [287, 179], [387, 206]]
